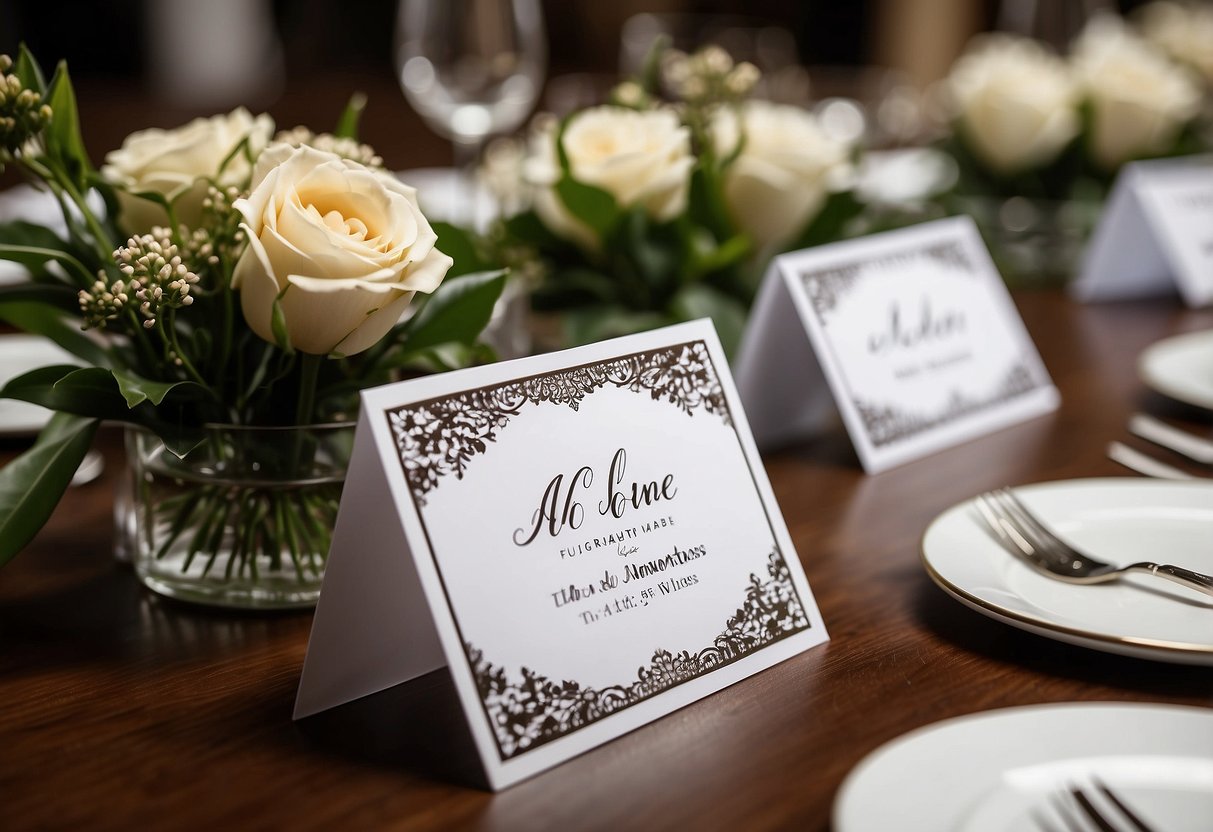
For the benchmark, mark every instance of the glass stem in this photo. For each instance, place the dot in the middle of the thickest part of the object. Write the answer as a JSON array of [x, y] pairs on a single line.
[[467, 151]]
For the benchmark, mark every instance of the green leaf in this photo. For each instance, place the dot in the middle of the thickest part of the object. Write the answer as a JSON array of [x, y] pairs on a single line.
[[347, 125], [63, 138], [576, 286], [597, 323], [21, 233], [40, 319], [710, 259], [136, 389], [656, 252], [460, 245], [528, 229], [446, 357], [727, 314], [54, 295], [26, 68], [34, 257], [457, 312], [32, 484], [87, 391], [593, 206]]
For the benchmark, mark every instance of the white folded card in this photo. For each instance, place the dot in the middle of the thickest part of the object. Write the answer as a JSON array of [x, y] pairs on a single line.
[[587, 538], [911, 334], [1155, 234]]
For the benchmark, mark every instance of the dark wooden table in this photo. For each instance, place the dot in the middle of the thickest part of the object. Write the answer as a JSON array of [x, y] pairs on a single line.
[[119, 709]]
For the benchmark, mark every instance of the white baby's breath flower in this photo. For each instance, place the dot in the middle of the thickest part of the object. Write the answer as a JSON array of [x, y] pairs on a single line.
[[639, 157], [1140, 100], [1015, 103], [787, 168], [346, 148]]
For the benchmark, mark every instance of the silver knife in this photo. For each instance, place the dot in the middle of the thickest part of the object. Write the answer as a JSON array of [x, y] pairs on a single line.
[[1180, 441], [1147, 465]]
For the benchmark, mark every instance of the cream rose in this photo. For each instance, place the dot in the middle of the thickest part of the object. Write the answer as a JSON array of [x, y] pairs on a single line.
[[640, 158], [1016, 104], [787, 168], [342, 246], [175, 162], [1139, 99], [1182, 30]]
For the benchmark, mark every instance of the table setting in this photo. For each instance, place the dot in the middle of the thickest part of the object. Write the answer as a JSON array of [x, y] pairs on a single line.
[[689, 458]]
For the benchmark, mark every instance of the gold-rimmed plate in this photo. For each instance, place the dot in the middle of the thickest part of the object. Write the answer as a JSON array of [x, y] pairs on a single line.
[[1117, 520], [1181, 367], [1003, 770]]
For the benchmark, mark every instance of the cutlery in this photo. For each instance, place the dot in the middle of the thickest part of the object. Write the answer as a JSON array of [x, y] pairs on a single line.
[[1144, 464], [1075, 803], [1021, 533], [1180, 441]]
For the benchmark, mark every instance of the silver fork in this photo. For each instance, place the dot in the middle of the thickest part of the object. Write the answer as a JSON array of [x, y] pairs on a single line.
[[1076, 803], [1021, 533]]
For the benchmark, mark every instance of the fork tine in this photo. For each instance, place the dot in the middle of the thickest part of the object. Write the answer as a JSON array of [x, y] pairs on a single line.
[[1006, 530], [1138, 823], [1065, 810], [1048, 544], [1088, 808], [1030, 520]]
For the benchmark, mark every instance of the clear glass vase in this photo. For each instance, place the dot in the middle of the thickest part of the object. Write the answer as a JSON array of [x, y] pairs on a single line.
[[1035, 243], [244, 520]]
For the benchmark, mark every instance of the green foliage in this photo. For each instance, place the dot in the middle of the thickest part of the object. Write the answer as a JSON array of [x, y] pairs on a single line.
[[347, 124], [456, 313], [42, 319], [31, 485], [180, 353], [64, 143]]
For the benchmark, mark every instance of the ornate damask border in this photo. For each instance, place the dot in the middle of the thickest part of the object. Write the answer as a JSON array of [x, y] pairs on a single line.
[[886, 425], [826, 287], [534, 710], [439, 437]]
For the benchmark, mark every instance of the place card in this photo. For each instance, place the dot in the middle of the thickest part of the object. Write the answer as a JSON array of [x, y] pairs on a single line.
[[1155, 235], [587, 539], [910, 334]]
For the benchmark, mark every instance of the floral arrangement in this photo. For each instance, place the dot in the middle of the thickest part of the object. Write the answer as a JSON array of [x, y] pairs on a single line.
[[1028, 122], [222, 276], [664, 204]]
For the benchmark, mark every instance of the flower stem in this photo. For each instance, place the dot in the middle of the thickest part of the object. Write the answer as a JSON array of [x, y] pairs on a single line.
[[310, 370]]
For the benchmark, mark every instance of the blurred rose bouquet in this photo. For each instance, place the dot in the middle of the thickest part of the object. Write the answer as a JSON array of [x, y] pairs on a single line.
[[1027, 122], [233, 278], [664, 204]]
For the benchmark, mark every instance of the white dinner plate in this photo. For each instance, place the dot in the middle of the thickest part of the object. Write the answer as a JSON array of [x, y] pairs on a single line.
[[1117, 520], [1181, 367], [999, 771], [20, 354]]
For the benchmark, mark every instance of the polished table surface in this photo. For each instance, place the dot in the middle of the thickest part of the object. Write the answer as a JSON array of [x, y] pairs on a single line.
[[119, 709]]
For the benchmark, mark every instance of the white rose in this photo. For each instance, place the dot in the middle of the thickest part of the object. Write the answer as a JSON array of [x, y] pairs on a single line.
[[176, 162], [787, 168], [342, 246], [1139, 99], [640, 158], [1016, 103], [1182, 30]]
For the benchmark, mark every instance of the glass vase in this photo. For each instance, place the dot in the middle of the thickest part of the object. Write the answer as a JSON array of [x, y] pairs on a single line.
[[1035, 243], [244, 520]]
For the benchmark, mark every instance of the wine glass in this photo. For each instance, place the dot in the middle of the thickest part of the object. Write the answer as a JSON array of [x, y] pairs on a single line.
[[471, 68]]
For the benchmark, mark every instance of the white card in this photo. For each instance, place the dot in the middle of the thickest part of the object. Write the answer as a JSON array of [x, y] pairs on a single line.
[[587, 538], [911, 333], [1155, 235]]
